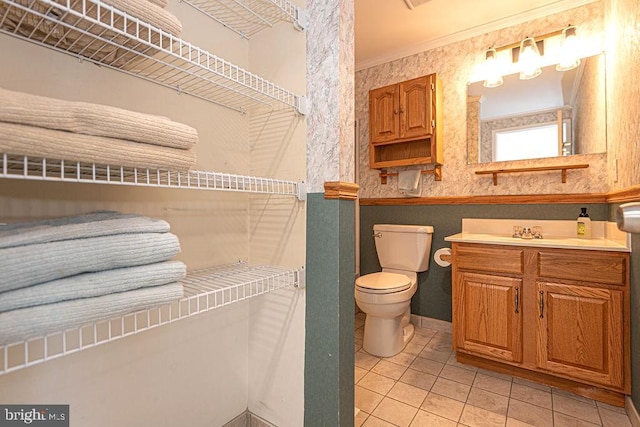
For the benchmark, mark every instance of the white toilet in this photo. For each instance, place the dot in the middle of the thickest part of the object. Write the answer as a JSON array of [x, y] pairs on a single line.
[[385, 297]]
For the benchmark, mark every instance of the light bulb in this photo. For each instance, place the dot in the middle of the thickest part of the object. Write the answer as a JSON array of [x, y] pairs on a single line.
[[529, 59], [569, 50], [493, 78]]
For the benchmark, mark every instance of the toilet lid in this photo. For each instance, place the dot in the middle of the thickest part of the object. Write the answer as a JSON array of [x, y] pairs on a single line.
[[383, 283]]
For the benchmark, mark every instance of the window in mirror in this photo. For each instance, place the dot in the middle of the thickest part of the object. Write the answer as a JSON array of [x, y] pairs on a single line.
[[530, 142], [575, 98]]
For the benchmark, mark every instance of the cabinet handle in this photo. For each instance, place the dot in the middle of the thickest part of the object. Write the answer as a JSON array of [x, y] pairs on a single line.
[[542, 304], [517, 299]]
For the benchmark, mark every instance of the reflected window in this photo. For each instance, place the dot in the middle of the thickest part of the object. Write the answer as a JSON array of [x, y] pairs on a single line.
[[531, 142]]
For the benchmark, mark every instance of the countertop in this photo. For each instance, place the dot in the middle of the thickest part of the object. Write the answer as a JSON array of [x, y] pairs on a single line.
[[600, 244]]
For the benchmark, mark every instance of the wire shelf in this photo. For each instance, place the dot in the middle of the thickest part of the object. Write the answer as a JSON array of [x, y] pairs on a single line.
[[204, 290], [42, 169], [249, 17], [97, 32]]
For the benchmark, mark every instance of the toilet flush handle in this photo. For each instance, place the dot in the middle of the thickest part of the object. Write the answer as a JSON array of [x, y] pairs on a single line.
[[377, 234]]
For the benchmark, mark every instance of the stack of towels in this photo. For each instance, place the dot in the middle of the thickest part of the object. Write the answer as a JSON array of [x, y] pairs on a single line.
[[80, 36], [82, 132], [67, 272]]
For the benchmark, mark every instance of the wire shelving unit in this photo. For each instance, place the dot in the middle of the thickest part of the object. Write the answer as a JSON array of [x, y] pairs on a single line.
[[97, 32], [204, 290], [41, 169], [249, 17]]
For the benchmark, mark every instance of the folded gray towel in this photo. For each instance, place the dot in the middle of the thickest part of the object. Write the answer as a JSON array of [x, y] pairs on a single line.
[[32, 264], [89, 285], [31, 322], [93, 224]]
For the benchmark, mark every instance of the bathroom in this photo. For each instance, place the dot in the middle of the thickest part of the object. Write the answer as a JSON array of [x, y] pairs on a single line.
[[294, 362], [463, 194]]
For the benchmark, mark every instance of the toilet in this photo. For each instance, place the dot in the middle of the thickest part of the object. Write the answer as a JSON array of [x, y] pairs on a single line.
[[385, 297]]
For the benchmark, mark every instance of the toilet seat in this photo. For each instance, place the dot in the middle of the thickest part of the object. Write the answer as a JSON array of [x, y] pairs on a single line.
[[383, 283]]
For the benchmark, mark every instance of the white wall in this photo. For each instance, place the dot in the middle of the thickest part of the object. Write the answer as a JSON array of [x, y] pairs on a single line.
[[197, 371]]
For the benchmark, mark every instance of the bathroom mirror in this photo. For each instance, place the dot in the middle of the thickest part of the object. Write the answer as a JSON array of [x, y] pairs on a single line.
[[558, 113]]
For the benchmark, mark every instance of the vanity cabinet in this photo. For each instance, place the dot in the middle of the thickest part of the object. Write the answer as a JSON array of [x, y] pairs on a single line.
[[559, 316], [405, 123]]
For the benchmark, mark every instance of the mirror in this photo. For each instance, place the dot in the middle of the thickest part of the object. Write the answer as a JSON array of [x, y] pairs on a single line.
[[558, 113]]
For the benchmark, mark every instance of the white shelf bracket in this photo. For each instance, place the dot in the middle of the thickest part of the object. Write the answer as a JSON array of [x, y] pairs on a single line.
[[301, 283], [301, 193], [301, 105], [301, 21]]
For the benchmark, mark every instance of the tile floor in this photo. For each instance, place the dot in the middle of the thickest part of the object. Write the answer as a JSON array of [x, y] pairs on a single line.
[[425, 386]]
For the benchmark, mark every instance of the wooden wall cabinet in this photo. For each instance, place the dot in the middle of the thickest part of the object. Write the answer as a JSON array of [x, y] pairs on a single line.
[[558, 316], [405, 123]]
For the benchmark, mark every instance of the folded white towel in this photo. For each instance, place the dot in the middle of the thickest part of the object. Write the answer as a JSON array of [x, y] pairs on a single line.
[[93, 224], [94, 119], [31, 322], [409, 183], [76, 147], [32, 264], [90, 285]]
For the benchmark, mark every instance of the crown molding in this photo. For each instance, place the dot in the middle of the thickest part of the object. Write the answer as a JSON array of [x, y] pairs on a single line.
[[498, 24]]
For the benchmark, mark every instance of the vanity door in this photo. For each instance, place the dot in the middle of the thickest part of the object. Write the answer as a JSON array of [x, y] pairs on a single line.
[[580, 332], [488, 315]]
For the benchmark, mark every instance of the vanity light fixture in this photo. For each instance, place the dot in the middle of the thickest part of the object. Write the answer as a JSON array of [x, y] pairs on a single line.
[[568, 50], [493, 78], [529, 59]]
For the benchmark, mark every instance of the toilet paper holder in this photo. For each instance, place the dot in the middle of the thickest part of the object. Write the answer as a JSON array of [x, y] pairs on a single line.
[[442, 257]]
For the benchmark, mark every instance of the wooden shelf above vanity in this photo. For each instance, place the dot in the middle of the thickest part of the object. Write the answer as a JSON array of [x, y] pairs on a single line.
[[562, 168]]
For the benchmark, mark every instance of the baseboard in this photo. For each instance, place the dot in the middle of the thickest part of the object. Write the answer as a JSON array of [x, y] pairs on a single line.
[[247, 419], [431, 323], [632, 412]]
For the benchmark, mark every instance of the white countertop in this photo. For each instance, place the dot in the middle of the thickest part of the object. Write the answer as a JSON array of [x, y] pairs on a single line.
[[605, 236]]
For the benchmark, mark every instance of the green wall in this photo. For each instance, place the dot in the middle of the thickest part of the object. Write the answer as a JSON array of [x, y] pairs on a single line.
[[330, 312]]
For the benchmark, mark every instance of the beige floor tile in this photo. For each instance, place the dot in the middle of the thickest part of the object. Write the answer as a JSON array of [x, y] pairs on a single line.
[[580, 409], [537, 397], [408, 394], [376, 422], [426, 332], [421, 339], [452, 389], [492, 384], [359, 334], [531, 414], [388, 369], [366, 400], [426, 365], [418, 379], [402, 358], [375, 382], [565, 393], [562, 420], [486, 400], [365, 360], [360, 418], [437, 355], [608, 407], [614, 418], [478, 417], [532, 384], [441, 341], [359, 373], [460, 375], [397, 413], [496, 374], [358, 322], [427, 419], [512, 422], [357, 346], [413, 347], [443, 406]]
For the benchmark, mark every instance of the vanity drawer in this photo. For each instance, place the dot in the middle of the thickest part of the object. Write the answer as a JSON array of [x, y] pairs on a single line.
[[491, 258], [584, 266]]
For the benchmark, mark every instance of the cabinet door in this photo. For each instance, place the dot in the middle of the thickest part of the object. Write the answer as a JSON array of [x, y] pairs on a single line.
[[415, 108], [384, 114], [580, 332], [487, 313]]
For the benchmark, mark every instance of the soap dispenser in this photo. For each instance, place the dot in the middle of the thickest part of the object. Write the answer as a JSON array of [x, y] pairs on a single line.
[[584, 224]]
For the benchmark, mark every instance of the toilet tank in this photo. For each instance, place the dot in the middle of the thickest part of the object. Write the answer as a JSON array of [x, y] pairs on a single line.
[[403, 247]]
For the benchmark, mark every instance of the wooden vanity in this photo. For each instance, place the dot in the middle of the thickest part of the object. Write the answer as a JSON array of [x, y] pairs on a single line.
[[548, 314]]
